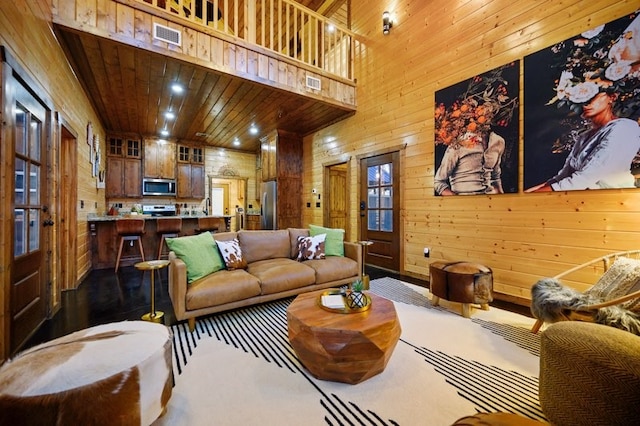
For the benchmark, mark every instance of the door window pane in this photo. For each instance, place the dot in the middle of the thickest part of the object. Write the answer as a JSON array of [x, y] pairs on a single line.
[[373, 175], [373, 221], [19, 232], [34, 230], [34, 139], [20, 194], [34, 185], [386, 200], [386, 222], [385, 174], [374, 200], [21, 131]]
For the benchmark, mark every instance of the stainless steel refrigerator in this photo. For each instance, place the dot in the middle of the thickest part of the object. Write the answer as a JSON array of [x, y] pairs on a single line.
[[268, 205]]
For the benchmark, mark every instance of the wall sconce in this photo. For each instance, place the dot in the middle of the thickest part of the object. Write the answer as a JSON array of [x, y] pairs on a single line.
[[387, 22]]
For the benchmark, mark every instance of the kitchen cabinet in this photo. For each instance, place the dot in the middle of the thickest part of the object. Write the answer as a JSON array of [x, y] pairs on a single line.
[[124, 168], [252, 222], [159, 159], [191, 172], [281, 158]]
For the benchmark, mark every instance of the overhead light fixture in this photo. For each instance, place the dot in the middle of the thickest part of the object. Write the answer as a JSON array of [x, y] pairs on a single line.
[[177, 88], [236, 142], [164, 132], [169, 115], [330, 27], [253, 130], [387, 22]]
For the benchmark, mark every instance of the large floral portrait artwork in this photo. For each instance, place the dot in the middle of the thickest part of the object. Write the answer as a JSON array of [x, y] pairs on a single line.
[[476, 134], [581, 110]]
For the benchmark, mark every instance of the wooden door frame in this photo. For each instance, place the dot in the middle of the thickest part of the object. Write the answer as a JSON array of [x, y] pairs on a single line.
[[325, 184], [400, 149]]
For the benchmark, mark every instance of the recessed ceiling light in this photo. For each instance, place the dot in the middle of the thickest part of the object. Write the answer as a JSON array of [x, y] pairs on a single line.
[[177, 88], [236, 142], [164, 132], [169, 115], [253, 129]]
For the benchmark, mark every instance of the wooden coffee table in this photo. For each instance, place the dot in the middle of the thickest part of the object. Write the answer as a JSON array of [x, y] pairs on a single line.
[[347, 348]]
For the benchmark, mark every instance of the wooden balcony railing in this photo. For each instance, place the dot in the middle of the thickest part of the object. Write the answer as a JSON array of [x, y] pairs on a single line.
[[282, 26]]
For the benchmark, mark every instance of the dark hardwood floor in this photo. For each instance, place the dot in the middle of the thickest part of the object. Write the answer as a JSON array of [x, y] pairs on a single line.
[[105, 296]]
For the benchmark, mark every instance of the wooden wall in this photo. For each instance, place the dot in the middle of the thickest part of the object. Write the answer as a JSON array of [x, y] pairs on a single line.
[[433, 45], [26, 33]]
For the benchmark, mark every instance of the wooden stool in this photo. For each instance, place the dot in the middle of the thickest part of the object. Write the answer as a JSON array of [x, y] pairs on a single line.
[[129, 230], [461, 282], [168, 227], [211, 224]]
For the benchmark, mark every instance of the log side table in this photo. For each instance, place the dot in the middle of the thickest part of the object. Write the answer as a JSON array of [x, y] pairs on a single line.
[[348, 348]]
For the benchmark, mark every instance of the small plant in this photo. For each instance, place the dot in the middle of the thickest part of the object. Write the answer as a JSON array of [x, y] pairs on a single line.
[[357, 286]]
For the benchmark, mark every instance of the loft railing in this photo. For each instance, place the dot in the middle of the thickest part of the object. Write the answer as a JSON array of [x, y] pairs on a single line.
[[282, 26]]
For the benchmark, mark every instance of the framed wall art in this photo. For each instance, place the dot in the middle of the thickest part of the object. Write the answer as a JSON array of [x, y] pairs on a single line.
[[581, 110], [476, 137]]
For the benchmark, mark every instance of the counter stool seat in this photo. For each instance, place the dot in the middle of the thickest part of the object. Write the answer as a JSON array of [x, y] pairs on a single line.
[[129, 230], [168, 227], [211, 224]]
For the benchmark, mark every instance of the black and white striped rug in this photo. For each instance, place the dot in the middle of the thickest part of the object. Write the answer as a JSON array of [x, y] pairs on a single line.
[[238, 368]]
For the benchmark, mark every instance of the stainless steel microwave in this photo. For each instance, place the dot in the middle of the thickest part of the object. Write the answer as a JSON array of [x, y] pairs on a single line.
[[165, 187]]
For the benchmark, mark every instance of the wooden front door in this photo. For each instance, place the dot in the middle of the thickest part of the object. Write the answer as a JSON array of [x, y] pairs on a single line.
[[336, 197], [28, 299], [380, 209]]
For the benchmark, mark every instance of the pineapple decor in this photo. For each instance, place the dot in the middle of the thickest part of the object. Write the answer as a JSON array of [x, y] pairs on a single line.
[[355, 298]]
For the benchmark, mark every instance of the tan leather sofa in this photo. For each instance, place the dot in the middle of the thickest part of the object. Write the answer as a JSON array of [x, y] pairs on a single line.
[[272, 273]]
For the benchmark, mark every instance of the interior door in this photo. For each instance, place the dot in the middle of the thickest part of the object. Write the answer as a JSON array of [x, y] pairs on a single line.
[[336, 197], [31, 220], [67, 208], [380, 209]]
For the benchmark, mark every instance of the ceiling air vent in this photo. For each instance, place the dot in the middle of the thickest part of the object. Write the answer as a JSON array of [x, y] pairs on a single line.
[[160, 32], [313, 83]]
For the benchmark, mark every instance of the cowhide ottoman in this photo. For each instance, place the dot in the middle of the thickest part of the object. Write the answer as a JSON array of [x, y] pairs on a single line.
[[118, 373], [462, 282]]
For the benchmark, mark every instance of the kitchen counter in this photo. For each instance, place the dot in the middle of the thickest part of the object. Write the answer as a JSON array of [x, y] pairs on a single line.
[[104, 239]]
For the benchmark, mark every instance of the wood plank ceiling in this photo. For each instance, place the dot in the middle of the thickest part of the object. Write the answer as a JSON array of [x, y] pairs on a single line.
[[130, 89]]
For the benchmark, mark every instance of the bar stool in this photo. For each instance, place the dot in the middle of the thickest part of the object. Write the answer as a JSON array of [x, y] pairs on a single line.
[[168, 227], [129, 230], [211, 224]]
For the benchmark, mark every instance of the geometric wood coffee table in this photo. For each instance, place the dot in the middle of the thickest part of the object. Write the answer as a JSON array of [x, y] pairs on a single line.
[[347, 348]]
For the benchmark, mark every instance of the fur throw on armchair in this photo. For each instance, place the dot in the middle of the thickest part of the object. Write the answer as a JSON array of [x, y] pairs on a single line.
[[550, 300]]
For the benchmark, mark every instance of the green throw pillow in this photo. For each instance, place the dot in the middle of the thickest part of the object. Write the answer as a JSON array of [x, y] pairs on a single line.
[[334, 243], [199, 252]]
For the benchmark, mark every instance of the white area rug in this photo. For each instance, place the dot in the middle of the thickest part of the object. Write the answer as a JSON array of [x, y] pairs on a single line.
[[237, 368]]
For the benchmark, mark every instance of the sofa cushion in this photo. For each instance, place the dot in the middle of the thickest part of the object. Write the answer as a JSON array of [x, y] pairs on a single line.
[[222, 287], [281, 274], [199, 253], [294, 233], [225, 236], [333, 268], [261, 245], [334, 244], [232, 254], [311, 247]]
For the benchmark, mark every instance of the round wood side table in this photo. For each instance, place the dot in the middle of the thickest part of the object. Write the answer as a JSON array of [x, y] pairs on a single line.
[[152, 265]]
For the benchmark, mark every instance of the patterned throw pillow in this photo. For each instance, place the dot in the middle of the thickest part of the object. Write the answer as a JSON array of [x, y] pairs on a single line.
[[334, 243], [232, 254], [310, 248]]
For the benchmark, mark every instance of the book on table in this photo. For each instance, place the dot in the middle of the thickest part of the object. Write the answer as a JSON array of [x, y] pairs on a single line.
[[335, 301]]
